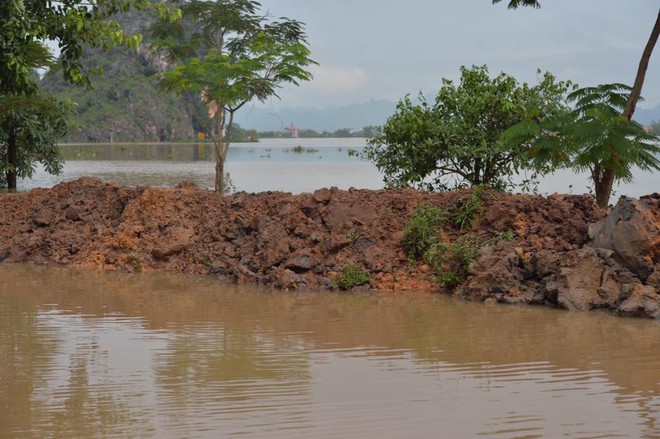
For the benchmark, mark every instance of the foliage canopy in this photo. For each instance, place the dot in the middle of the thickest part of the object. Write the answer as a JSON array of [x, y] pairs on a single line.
[[31, 121], [455, 141], [610, 145], [34, 129], [230, 53], [593, 137]]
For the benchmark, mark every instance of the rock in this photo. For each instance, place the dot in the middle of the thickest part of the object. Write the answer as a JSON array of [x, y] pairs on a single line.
[[342, 216], [301, 261], [579, 280], [188, 185], [72, 214], [287, 279], [322, 196], [654, 278], [180, 238], [632, 232], [496, 273], [43, 217], [643, 302], [336, 242]]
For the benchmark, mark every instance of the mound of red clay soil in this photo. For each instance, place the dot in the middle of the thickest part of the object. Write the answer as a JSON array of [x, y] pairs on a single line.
[[306, 241]]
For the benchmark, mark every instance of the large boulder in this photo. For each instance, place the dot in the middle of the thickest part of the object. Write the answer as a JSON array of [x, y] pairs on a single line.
[[632, 232], [619, 270]]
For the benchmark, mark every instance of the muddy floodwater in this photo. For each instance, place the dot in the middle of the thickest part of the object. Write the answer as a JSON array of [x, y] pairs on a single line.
[[93, 354]]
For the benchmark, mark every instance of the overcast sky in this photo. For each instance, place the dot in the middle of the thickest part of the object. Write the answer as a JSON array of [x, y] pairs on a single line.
[[383, 49]]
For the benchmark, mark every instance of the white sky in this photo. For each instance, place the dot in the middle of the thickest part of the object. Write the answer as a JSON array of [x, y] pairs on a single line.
[[383, 49]]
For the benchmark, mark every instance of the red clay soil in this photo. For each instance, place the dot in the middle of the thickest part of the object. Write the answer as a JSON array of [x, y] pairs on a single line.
[[278, 239]]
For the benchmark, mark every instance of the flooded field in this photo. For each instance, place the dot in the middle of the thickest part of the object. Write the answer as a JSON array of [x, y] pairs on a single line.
[[290, 165], [95, 354]]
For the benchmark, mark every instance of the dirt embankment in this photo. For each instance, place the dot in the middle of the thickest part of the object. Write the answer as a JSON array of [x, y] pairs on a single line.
[[309, 241]]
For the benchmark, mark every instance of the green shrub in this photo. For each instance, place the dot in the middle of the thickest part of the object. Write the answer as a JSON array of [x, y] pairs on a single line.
[[422, 231], [352, 276], [464, 214], [450, 262]]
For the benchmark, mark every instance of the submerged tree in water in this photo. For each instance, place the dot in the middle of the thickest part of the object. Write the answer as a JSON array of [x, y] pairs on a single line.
[[230, 53]]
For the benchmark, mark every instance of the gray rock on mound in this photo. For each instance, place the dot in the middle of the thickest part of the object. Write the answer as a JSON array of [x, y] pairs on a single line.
[[632, 232], [618, 271]]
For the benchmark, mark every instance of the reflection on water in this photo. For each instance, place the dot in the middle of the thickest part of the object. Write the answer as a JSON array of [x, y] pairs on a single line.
[[90, 354]]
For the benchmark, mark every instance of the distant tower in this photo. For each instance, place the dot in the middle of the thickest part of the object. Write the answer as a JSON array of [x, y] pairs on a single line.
[[292, 130]]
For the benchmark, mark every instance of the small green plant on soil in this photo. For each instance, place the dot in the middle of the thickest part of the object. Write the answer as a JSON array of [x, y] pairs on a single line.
[[448, 261], [352, 276], [422, 231], [467, 211], [353, 235], [135, 261], [230, 187]]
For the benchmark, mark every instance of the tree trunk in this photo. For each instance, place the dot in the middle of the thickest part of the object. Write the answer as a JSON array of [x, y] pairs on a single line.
[[641, 71], [603, 187], [12, 160], [607, 181], [219, 174], [221, 148]]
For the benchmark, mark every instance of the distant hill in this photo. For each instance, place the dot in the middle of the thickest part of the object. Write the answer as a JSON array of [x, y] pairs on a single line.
[[353, 116], [124, 104], [646, 116]]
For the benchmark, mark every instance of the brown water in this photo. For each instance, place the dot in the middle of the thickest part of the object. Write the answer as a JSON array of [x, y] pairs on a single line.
[[92, 354]]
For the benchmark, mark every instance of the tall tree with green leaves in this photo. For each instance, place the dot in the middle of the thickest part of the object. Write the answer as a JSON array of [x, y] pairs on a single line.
[[25, 26], [23, 111], [609, 175], [28, 134], [230, 53], [594, 137], [455, 141]]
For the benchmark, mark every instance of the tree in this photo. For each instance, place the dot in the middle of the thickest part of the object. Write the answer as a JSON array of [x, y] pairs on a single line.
[[456, 140], [594, 137], [72, 25], [230, 53], [515, 4], [24, 27], [609, 175], [28, 134]]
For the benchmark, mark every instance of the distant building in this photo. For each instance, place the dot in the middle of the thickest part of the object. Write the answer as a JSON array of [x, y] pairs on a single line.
[[292, 130]]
